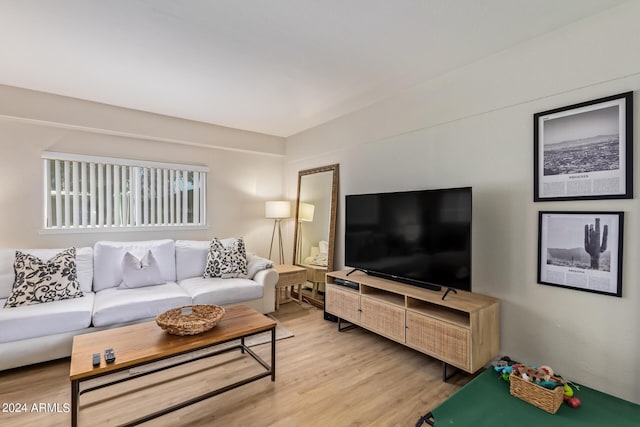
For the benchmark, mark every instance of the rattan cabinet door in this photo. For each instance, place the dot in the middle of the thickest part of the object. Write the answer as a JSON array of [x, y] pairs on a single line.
[[385, 319], [438, 338], [342, 303]]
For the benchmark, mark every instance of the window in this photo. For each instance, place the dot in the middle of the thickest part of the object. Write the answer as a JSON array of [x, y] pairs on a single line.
[[102, 193]]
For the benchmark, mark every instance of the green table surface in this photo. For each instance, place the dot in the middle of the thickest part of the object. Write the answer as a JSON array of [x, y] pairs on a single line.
[[486, 402]]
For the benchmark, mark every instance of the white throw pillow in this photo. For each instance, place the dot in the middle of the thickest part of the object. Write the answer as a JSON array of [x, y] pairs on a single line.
[[107, 260], [137, 273], [226, 261]]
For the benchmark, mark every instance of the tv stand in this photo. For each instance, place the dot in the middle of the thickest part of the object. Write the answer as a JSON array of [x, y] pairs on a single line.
[[356, 269], [462, 331]]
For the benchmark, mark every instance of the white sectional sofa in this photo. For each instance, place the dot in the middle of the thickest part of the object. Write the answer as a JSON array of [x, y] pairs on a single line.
[[40, 332]]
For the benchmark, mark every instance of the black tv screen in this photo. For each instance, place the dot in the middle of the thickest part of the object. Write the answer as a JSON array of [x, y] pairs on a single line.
[[421, 238]]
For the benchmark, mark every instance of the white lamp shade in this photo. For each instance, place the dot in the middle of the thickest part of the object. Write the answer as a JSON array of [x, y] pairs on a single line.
[[277, 209], [305, 212]]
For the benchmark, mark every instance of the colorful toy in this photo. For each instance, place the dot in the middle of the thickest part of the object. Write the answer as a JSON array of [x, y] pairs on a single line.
[[502, 367], [574, 402], [568, 391]]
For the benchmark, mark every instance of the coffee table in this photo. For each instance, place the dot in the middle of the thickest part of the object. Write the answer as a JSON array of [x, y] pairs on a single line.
[[145, 343]]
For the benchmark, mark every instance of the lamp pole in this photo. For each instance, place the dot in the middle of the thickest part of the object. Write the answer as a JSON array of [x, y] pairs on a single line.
[[277, 210]]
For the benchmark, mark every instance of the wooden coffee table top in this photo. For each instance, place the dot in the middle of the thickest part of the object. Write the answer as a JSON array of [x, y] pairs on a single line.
[[146, 342]]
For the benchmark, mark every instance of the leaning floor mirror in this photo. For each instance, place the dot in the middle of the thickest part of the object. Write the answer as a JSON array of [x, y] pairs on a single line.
[[316, 228]]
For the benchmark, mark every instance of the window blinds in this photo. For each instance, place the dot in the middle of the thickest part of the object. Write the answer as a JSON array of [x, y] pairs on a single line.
[[83, 192]]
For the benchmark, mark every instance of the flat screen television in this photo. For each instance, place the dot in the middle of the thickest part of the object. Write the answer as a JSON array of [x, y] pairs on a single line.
[[422, 238]]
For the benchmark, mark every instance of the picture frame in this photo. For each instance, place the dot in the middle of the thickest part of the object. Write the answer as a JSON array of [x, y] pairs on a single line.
[[584, 151], [581, 251]]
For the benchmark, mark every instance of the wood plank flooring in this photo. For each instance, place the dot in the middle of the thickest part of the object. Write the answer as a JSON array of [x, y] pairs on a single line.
[[323, 378]]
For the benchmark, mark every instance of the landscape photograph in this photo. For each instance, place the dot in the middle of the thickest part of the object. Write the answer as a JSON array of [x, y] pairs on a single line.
[[599, 153], [582, 143], [576, 258]]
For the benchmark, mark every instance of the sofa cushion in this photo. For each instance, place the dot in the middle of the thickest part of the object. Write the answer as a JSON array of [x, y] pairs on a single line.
[[39, 281], [108, 255], [226, 261], [38, 320], [191, 257], [84, 266], [115, 305], [221, 291], [137, 273]]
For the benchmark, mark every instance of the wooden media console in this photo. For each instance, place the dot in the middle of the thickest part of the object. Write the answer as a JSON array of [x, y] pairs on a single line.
[[463, 330]]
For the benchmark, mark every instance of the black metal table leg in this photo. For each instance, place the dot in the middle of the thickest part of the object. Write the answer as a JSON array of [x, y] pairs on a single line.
[[346, 328], [445, 377], [75, 390], [426, 418], [273, 354]]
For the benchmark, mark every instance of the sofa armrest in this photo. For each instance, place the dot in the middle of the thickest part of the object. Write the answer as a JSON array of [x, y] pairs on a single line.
[[267, 278]]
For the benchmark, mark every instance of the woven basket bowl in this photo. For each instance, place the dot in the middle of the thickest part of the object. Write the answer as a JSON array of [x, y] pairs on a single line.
[[201, 319], [543, 398]]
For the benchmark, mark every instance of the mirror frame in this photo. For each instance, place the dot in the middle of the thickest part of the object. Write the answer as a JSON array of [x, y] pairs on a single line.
[[335, 168]]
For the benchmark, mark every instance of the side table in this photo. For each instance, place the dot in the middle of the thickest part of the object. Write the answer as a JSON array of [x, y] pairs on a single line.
[[290, 276], [316, 275]]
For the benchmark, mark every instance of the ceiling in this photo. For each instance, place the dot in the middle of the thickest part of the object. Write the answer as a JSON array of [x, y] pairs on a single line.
[[271, 66]]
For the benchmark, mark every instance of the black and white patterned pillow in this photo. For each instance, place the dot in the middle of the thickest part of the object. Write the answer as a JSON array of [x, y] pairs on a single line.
[[38, 281], [226, 262]]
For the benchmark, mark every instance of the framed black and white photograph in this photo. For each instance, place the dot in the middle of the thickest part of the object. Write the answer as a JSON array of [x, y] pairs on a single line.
[[581, 250], [584, 151]]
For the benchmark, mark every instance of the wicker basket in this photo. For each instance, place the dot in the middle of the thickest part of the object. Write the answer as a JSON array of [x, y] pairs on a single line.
[[544, 398], [200, 319]]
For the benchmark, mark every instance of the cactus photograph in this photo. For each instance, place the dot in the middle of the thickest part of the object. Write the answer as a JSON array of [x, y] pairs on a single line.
[[581, 250], [592, 254]]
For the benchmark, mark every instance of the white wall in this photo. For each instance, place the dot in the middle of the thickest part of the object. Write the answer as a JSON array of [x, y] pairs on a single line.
[[474, 127], [245, 168]]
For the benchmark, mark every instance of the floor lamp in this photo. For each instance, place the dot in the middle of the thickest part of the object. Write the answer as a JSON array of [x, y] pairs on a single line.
[[305, 214], [277, 210]]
